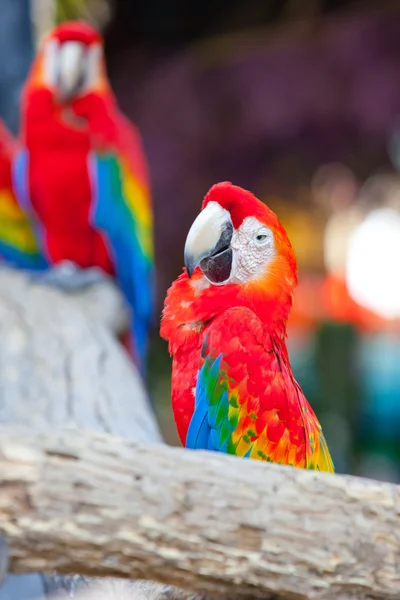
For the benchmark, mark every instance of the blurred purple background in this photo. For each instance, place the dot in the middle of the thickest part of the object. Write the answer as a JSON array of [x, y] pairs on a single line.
[[263, 107]]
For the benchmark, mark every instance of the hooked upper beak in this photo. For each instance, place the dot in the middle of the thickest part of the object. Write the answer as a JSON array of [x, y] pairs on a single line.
[[70, 69], [208, 244]]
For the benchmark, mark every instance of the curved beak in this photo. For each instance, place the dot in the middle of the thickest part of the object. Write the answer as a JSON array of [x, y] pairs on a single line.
[[70, 69], [208, 244]]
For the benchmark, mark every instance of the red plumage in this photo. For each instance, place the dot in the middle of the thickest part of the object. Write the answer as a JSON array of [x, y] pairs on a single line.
[[59, 183]]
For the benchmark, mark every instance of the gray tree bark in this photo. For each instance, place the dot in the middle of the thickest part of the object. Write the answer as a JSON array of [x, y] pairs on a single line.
[[62, 368], [97, 505], [60, 364]]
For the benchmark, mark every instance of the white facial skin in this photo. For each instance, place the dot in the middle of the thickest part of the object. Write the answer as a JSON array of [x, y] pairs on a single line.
[[253, 249], [67, 64]]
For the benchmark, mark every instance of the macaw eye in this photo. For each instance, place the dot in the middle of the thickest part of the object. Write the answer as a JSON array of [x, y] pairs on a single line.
[[261, 237]]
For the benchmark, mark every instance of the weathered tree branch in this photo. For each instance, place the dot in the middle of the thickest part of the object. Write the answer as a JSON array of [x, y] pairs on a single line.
[[96, 505], [60, 364]]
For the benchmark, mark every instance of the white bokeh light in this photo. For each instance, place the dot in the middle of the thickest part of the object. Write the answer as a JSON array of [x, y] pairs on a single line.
[[373, 263]]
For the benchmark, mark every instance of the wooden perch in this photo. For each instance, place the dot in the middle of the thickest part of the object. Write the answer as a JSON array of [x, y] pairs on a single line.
[[97, 505]]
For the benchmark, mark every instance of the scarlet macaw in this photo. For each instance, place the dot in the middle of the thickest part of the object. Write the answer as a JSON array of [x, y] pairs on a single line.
[[225, 319], [81, 175]]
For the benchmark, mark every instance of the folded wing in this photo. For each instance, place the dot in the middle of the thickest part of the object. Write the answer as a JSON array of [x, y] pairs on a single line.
[[122, 211], [247, 401], [18, 243]]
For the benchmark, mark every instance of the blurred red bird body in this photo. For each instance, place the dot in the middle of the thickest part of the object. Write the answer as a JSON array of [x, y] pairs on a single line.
[[58, 169], [232, 385]]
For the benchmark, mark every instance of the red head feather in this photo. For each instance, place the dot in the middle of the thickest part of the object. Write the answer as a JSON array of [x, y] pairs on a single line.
[[70, 31], [239, 203], [76, 31]]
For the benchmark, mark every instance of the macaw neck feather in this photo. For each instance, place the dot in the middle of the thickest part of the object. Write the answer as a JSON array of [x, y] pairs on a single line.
[[191, 304]]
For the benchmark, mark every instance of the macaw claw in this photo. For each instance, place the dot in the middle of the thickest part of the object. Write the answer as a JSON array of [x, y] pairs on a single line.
[[69, 277]]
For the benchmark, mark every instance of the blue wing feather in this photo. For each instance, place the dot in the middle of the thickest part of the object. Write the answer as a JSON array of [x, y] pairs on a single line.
[[20, 179], [113, 214], [205, 430]]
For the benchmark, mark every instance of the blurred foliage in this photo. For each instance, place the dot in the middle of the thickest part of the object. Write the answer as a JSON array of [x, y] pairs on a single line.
[[324, 365], [337, 386], [70, 9], [95, 11]]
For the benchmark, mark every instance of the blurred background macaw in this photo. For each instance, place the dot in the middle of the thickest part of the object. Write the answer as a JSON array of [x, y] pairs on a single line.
[[299, 102], [80, 176]]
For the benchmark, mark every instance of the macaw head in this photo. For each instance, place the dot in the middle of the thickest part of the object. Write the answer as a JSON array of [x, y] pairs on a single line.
[[236, 254], [237, 239], [70, 62]]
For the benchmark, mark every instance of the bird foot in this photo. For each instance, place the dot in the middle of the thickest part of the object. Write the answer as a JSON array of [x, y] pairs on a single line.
[[68, 277], [3, 558]]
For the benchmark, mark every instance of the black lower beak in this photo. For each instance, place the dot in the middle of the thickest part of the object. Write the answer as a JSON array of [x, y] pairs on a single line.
[[217, 268]]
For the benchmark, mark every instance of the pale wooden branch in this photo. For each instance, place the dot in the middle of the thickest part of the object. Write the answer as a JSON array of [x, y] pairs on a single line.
[[97, 505], [60, 364]]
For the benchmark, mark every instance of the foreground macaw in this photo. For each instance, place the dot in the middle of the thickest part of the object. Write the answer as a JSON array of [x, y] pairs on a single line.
[[81, 177], [225, 319]]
